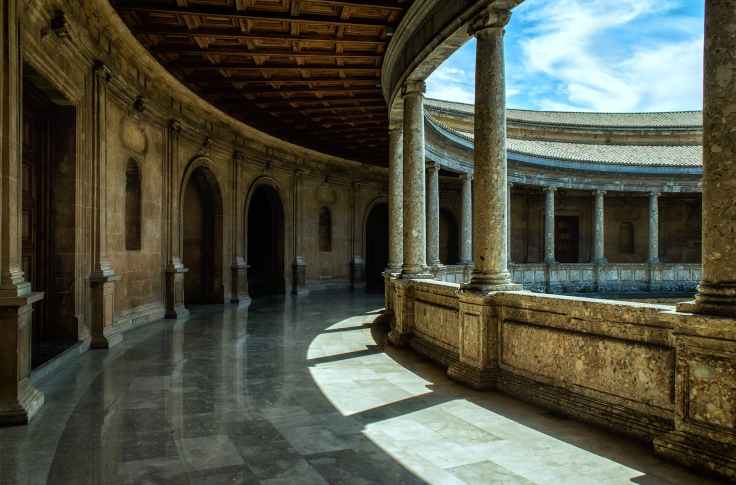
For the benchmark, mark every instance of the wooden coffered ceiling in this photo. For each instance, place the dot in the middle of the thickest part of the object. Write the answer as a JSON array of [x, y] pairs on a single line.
[[307, 71]]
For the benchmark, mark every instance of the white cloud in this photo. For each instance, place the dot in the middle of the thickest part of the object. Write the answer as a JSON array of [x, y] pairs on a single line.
[[572, 43]]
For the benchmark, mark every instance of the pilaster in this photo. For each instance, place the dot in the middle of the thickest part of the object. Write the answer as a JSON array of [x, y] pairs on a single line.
[[19, 400], [238, 269], [102, 278], [357, 264], [173, 267], [299, 266]]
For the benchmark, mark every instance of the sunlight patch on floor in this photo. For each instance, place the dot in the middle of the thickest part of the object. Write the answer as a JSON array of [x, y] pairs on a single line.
[[451, 442]]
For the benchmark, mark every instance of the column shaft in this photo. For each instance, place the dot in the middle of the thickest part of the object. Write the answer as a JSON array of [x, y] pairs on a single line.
[[415, 240], [490, 179], [599, 229], [466, 232], [717, 290], [396, 200], [433, 214], [653, 227], [549, 225], [298, 267]]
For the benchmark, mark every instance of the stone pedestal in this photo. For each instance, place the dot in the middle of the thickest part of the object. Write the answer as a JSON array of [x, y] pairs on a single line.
[[403, 308], [175, 306], [239, 271], [705, 397], [478, 355], [19, 400], [299, 277], [103, 333]]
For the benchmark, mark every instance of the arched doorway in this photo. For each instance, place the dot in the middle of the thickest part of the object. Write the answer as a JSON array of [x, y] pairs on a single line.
[[265, 242], [49, 201], [202, 238], [376, 246]]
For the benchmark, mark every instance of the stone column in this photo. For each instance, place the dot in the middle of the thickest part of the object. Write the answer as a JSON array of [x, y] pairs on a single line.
[[396, 200], [466, 222], [490, 178], [298, 267], [415, 240], [717, 290], [239, 269], [433, 214], [653, 227], [508, 221], [102, 277], [549, 225], [599, 230], [19, 400], [357, 264], [174, 290]]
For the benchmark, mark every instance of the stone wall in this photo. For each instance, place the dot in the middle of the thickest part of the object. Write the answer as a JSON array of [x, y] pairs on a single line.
[[639, 369], [140, 100]]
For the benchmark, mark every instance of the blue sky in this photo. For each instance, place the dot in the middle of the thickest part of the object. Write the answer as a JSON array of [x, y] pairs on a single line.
[[592, 55]]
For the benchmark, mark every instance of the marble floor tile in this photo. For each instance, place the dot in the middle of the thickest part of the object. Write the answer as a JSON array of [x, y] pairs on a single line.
[[298, 391]]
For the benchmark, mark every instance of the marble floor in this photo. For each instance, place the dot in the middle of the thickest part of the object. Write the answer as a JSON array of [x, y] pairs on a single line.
[[297, 392]]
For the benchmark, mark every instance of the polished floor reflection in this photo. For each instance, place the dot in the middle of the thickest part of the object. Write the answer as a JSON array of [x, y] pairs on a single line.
[[297, 393]]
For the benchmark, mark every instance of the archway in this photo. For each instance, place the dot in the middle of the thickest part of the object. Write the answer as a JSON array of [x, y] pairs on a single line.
[[376, 246], [265, 242], [202, 238], [449, 238]]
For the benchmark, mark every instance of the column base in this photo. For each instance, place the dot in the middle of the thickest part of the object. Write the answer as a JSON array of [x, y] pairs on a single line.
[[239, 292], [299, 277], [22, 409], [486, 283], [421, 274], [697, 452], [479, 379], [712, 299], [357, 273]]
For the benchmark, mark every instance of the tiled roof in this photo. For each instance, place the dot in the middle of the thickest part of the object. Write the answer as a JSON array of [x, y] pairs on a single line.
[[632, 155], [674, 119]]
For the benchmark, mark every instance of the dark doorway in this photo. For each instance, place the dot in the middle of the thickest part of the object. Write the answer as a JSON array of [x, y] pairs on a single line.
[[376, 247], [49, 215], [265, 243], [202, 239], [449, 238], [567, 238]]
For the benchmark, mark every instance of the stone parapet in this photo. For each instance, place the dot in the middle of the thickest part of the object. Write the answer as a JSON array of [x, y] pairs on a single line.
[[644, 370]]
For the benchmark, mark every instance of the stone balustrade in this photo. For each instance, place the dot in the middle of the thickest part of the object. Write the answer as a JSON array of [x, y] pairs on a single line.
[[640, 369]]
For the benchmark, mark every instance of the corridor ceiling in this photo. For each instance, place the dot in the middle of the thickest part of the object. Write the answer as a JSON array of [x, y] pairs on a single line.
[[307, 71]]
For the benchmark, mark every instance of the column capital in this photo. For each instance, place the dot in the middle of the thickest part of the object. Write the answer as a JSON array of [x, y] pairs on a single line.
[[600, 192], [466, 177], [175, 125], [550, 188], [654, 194], [414, 87], [492, 19], [432, 165], [101, 71], [238, 156]]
